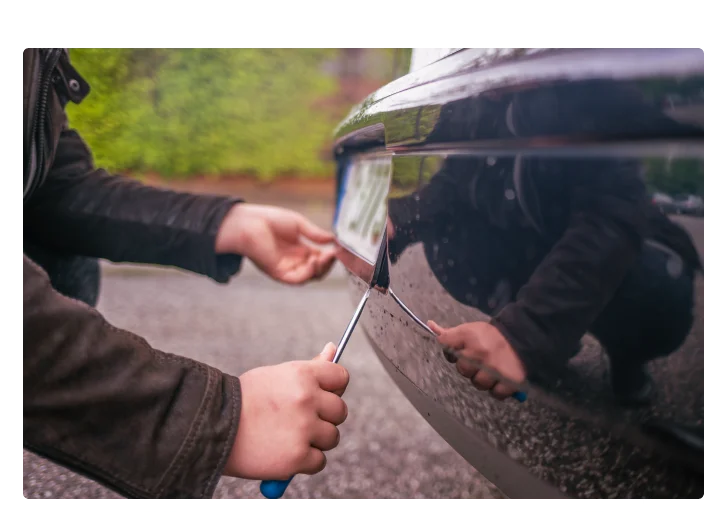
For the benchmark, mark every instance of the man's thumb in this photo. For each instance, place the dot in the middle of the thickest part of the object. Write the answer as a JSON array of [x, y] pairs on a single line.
[[327, 354]]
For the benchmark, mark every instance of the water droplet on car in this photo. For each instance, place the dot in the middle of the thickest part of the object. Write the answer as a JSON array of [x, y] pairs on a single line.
[[417, 217], [674, 267], [491, 161], [510, 194], [451, 263]]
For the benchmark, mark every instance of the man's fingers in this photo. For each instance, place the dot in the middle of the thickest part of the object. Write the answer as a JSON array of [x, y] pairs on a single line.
[[314, 463], [301, 273], [466, 368], [331, 408], [436, 327], [482, 380], [325, 436], [313, 232], [501, 391], [327, 354], [330, 376], [324, 263], [451, 337]]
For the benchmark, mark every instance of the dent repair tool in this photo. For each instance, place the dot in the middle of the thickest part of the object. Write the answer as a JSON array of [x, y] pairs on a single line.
[[274, 489]]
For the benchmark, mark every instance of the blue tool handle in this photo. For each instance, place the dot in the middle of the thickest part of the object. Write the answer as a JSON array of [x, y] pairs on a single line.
[[274, 489], [519, 396]]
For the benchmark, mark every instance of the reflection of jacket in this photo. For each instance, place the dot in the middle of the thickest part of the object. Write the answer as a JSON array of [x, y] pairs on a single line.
[[96, 398], [565, 232]]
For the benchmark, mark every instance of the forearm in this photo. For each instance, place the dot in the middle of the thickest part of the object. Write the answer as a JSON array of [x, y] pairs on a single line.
[[102, 401], [578, 278], [86, 211]]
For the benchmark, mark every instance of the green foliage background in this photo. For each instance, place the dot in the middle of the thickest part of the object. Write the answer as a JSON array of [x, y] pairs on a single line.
[[182, 112]]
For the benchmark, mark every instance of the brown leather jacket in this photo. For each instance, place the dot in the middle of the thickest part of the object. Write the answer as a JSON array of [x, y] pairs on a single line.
[[96, 398]]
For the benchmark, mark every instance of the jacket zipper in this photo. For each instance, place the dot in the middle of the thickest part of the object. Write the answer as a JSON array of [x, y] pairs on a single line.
[[45, 79]]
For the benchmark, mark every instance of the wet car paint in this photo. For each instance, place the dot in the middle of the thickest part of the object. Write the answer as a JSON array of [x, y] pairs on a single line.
[[555, 114]]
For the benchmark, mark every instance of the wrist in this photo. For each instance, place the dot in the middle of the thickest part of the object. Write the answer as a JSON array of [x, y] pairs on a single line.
[[232, 234], [516, 370]]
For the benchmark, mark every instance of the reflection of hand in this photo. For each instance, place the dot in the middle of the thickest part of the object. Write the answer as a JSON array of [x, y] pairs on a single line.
[[481, 344], [277, 241], [288, 418]]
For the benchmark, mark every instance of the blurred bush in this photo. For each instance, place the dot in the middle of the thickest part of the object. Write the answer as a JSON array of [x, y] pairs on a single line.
[[183, 112], [675, 177]]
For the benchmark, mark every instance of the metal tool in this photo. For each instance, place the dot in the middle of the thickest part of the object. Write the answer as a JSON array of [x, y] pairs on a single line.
[[379, 279]]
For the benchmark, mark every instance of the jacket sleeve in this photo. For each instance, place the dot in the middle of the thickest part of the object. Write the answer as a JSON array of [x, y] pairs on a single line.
[[585, 267], [103, 402], [83, 210]]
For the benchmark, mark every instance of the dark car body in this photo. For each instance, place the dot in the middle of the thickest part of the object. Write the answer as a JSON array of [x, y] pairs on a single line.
[[588, 110]]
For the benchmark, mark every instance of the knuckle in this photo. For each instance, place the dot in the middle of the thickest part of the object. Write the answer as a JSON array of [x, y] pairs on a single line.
[[299, 454], [321, 463], [484, 381], [481, 354], [466, 369], [301, 369], [501, 391], [344, 412], [344, 377], [336, 375], [302, 397]]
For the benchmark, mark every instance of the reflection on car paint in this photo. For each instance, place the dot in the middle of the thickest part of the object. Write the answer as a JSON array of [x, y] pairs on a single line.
[[573, 248]]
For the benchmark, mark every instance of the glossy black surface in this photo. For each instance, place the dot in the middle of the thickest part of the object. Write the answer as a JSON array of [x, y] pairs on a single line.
[[487, 148]]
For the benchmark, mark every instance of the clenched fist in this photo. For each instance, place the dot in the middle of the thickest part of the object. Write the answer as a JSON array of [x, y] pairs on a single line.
[[479, 345], [289, 417]]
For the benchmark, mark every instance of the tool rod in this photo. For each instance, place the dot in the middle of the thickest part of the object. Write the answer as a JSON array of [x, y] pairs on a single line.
[[350, 327], [274, 489]]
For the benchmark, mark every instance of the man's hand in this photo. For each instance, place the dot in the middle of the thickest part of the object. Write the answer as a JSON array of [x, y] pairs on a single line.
[[482, 344], [289, 417], [277, 241]]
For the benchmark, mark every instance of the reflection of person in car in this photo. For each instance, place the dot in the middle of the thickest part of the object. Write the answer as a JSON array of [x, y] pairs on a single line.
[[552, 249]]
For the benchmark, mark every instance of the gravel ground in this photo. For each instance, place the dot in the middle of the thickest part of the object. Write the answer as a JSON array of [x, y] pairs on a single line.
[[387, 449]]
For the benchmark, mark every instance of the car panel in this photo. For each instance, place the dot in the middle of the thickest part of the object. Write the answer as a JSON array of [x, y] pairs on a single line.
[[570, 435], [412, 113]]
